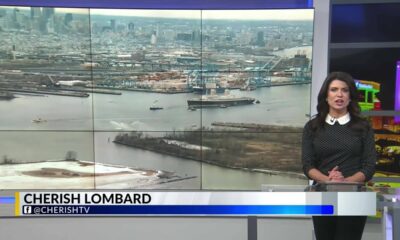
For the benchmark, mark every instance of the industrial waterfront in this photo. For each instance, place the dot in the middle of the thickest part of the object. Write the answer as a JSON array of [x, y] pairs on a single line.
[[71, 128], [283, 105]]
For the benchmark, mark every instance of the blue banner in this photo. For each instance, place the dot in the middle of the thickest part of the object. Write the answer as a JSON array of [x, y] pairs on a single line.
[[177, 209], [7, 200]]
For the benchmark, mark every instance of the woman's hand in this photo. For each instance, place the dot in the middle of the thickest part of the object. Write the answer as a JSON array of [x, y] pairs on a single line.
[[357, 177], [335, 175]]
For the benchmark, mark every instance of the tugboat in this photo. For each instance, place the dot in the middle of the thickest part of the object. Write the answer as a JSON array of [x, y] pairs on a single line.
[[39, 120], [155, 107]]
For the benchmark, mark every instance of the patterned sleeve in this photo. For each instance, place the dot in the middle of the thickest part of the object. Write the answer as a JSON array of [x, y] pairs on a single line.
[[307, 150], [369, 155]]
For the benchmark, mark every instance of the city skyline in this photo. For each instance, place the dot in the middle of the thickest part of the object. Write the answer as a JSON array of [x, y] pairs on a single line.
[[256, 15]]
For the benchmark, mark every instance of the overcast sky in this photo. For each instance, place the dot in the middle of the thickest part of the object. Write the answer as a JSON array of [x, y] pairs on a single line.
[[288, 14], [273, 14]]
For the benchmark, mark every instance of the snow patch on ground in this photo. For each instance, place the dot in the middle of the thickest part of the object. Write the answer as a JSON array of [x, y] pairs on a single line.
[[74, 175]]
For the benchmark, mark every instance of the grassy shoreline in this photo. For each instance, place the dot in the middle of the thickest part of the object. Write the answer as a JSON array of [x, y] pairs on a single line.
[[270, 153]]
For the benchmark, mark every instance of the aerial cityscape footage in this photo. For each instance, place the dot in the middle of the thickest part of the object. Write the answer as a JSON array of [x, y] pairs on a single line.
[[153, 98]]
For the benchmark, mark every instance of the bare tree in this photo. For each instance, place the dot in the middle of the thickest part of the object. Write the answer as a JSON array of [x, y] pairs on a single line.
[[71, 156], [7, 160]]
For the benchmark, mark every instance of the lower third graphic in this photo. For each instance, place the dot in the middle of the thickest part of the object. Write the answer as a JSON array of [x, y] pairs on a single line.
[[54, 210]]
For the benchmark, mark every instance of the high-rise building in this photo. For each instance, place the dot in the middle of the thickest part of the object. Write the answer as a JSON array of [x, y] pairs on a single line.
[[112, 25], [131, 27], [36, 15], [36, 12], [3, 13], [3, 19], [260, 39], [153, 39], [68, 18], [50, 25], [43, 25], [48, 12], [14, 14], [196, 35]]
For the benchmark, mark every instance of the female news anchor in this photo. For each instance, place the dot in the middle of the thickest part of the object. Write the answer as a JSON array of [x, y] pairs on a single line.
[[338, 145]]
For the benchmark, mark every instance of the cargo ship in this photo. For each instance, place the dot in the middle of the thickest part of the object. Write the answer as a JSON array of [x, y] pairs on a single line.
[[222, 101]]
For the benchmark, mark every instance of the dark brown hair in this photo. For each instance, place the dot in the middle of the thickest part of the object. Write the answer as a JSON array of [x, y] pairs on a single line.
[[323, 107]]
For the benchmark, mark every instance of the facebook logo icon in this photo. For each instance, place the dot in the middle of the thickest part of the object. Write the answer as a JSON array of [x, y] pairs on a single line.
[[27, 209]]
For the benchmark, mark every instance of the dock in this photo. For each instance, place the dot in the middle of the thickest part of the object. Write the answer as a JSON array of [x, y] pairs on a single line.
[[46, 92]]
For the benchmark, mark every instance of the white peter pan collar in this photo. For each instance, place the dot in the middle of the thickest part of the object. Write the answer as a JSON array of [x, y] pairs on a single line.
[[342, 120]]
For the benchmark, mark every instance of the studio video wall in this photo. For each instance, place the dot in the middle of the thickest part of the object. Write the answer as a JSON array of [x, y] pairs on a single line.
[[364, 46], [153, 99]]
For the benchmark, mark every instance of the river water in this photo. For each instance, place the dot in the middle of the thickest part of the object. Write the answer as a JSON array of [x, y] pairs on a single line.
[[87, 126]]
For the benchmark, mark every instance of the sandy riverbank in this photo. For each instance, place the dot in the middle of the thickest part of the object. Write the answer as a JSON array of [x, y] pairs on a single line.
[[79, 175]]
